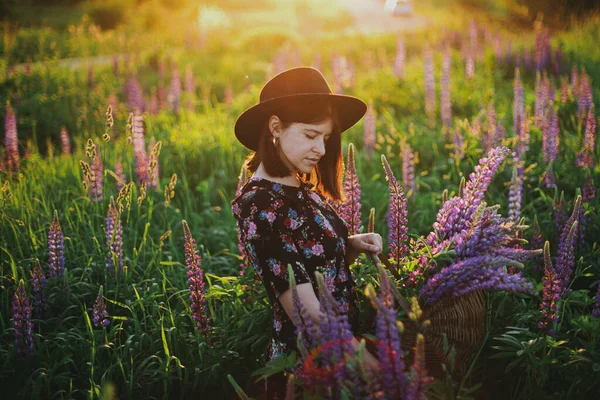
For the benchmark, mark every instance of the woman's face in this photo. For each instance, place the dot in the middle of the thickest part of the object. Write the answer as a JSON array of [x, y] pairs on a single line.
[[302, 145]]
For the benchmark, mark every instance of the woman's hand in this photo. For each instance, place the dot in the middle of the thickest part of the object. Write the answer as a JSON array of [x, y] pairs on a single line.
[[362, 243]]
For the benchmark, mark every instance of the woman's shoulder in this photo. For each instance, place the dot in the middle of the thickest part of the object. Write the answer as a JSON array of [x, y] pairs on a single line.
[[255, 196]]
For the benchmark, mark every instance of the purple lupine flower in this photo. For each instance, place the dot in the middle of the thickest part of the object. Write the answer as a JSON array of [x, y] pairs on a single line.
[[400, 58], [515, 195], [445, 101], [584, 95], [483, 272], [420, 381], [558, 212], [135, 95], [114, 240], [97, 178], [541, 98], [550, 135], [11, 140], [38, 282], [21, 323], [585, 157], [490, 140], [120, 174], [596, 310], [537, 242], [139, 149], [369, 131], [65, 142], [56, 248], [518, 103], [196, 282], [457, 212], [99, 313], [303, 323], [396, 218], [408, 169], [350, 208], [389, 350], [551, 294], [429, 85], [174, 95], [542, 48], [565, 258]]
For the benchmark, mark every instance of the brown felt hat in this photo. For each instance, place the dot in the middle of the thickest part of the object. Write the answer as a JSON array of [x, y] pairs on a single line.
[[291, 85]]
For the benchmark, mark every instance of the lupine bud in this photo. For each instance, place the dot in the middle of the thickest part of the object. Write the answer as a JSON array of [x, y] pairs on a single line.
[[396, 218], [420, 381], [38, 281], [565, 258], [99, 313], [550, 135], [196, 282], [56, 248], [369, 131], [22, 324], [11, 141], [430, 105], [350, 208], [114, 240], [445, 101]]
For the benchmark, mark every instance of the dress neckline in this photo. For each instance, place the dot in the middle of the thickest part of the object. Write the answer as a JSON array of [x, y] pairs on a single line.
[[273, 183]]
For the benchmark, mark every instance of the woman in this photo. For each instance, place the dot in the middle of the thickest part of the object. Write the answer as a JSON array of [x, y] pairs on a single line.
[[283, 210]]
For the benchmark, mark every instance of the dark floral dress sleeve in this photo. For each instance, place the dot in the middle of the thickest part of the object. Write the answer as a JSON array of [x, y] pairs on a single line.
[[267, 227]]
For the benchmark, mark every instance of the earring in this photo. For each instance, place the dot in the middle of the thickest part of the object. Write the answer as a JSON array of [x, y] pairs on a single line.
[[275, 141]]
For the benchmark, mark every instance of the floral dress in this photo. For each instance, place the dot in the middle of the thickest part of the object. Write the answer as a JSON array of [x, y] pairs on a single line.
[[280, 225]]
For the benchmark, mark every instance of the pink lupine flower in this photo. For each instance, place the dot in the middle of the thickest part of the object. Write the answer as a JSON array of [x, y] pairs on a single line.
[[114, 240], [11, 140], [196, 282], [349, 210], [139, 149]]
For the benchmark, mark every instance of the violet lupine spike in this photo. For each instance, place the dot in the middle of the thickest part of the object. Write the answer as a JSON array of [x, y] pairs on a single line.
[[56, 248], [542, 98], [420, 381], [596, 310], [114, 240], [515, 196], [38, 283], [584, 95], [400, 59], [585, 157], [445, 100], [11, 140], [408, 169], [65, 142], [565, 257], [196, 282], [21, 323], [139, 149], [303, 323], [99, 313], [396, 219], [551, 294], [135, 96], [430, 103], [550, 136], [369, 131], [484, 272], [350, 209], [174, 95], [537, 242]]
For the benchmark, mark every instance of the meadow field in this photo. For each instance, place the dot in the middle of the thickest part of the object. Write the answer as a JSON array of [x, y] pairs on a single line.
[[121, 273]]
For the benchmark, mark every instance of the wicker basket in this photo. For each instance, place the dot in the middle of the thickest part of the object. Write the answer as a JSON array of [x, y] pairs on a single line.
[[461, 319]]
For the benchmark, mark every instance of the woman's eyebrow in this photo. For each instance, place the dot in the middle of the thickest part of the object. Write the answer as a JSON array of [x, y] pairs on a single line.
[[316, 131]]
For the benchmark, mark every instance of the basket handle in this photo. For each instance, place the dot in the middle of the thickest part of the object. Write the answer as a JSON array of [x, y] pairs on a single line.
[[399, 298]]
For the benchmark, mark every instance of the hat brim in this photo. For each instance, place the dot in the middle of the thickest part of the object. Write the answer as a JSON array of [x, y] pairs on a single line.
[[250, 122]]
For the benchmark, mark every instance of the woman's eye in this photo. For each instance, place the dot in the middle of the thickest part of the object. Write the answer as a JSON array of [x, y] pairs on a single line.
[[310, 137]]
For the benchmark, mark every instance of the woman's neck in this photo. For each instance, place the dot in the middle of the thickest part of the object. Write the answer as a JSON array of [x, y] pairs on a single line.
[[291, 180]]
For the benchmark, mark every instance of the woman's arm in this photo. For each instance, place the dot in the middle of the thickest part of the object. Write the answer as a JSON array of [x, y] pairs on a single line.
[[361, 243], [307, 296]]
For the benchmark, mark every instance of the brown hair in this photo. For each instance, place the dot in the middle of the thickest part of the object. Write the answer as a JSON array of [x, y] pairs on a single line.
[[327, 176]]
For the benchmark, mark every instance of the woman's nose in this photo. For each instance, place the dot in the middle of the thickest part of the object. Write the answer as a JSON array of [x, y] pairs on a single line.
[[320, 147]]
